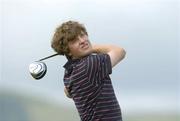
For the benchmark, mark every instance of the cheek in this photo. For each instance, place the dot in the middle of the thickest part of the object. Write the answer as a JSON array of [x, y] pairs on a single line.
[[73, 48]]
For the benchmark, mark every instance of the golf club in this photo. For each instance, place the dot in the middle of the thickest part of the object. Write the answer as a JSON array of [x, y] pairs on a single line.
[[38, 68]]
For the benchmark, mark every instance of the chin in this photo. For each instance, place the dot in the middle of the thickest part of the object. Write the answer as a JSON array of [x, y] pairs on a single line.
[[89, 51], [86, 53]]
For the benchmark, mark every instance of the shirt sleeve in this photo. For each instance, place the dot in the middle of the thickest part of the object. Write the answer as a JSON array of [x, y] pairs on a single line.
[[99, 67]]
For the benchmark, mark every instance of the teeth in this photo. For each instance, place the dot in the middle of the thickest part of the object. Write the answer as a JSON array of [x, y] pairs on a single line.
[[84, 45]]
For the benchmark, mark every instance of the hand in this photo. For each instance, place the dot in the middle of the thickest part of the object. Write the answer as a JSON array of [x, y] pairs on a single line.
[[67, 93]]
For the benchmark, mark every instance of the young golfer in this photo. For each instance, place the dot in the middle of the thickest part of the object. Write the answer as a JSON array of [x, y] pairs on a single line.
[[87, 71]]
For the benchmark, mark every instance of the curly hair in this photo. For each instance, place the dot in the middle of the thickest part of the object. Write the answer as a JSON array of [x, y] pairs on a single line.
[[65, 33]]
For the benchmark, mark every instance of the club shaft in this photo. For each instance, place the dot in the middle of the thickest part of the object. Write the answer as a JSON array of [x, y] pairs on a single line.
[[49, 57]]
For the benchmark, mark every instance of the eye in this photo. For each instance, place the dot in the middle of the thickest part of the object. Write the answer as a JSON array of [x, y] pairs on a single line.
[[82, 34], [73, 41]]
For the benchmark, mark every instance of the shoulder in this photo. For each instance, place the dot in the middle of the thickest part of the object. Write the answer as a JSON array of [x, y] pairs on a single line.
[[97, 59], [99, 56]]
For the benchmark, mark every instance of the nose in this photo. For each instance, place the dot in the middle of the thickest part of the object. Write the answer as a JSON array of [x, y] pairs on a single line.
[[82, 40]]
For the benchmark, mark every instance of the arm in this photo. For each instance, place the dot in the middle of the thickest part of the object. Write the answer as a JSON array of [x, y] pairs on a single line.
[[116, 53]]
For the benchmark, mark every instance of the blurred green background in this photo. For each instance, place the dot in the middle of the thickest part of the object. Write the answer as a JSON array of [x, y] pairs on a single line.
[[20, 107]]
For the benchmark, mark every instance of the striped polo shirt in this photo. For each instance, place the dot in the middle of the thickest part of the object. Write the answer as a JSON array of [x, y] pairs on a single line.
[[88, 83]]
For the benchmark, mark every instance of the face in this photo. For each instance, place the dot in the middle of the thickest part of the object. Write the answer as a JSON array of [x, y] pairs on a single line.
[[80, 47]]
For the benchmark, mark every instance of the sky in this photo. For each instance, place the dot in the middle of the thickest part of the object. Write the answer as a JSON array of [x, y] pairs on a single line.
[[146, 29]]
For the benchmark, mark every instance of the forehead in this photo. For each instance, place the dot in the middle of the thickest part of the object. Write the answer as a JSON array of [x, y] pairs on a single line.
[[77, 37]]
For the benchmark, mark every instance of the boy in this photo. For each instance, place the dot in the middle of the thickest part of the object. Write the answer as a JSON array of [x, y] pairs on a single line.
[[87, 71]]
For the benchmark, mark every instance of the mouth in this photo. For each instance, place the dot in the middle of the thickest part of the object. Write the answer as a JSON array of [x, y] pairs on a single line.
[[85, 46]]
